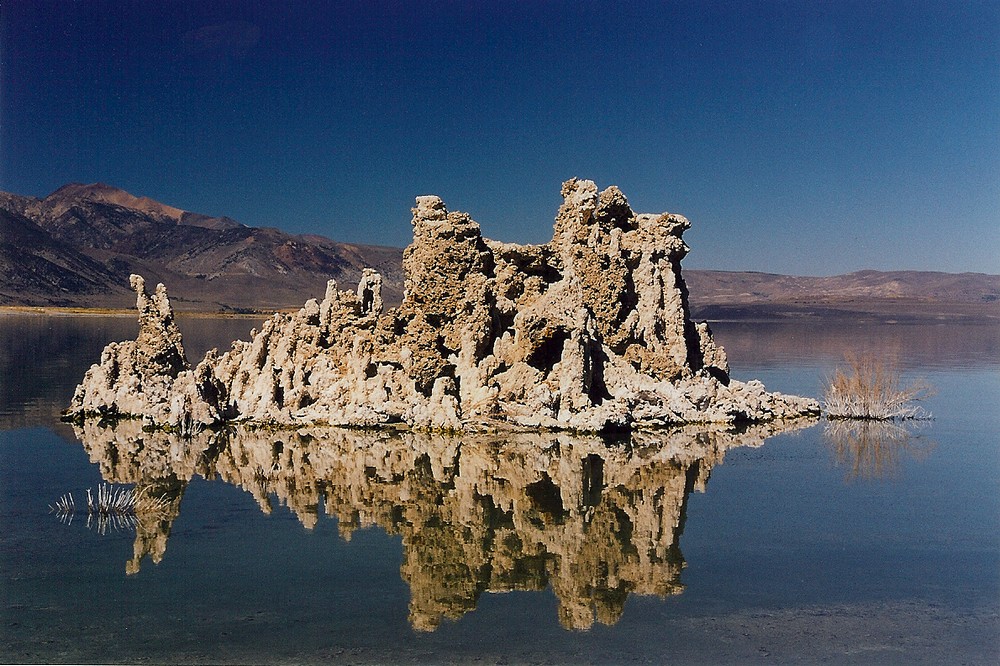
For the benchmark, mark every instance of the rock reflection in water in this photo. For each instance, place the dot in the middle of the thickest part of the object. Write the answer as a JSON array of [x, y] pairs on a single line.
[[870, 449], [593, 519]]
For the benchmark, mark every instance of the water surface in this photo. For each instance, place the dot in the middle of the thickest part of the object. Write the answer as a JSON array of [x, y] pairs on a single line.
[[698, 546]]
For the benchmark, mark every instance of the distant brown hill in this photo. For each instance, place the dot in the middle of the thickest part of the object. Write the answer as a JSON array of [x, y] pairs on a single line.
[[895, 295], [77, 247], [33, 262]]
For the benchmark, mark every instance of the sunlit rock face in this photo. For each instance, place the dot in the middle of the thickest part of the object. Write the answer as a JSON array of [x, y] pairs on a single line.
[[588, 332], [593, 520]]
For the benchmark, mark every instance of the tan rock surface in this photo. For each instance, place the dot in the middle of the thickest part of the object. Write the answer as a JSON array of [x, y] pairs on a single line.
[[588, 332]]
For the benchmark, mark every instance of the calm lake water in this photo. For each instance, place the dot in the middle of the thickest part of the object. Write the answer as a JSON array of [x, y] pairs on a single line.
[[841, 545]]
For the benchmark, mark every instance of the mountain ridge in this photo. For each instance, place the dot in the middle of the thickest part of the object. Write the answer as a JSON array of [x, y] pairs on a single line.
[[887, 295], [210, 263], [77, 246]]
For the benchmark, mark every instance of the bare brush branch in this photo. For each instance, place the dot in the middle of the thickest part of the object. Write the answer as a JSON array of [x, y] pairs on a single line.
[[871, 388], [112, 508]]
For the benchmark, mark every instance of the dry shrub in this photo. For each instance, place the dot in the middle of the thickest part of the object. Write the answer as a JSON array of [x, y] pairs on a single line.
[[871, 388], [112, 508]]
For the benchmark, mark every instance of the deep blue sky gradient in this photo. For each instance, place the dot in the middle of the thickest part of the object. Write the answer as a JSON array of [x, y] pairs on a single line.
[[799, 137]]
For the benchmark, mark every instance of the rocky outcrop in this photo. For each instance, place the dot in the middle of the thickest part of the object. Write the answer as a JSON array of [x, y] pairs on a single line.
[[590, 331]]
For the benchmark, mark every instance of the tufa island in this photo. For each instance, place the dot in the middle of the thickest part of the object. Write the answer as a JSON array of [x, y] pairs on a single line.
[[590, 332]]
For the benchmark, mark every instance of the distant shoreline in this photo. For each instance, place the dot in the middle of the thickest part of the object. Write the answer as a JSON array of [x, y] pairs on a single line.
[[860, 311], [887, 311], [77, 311]]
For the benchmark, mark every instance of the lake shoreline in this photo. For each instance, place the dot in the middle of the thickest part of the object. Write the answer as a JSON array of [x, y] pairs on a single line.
[[67, 311], [819, 311]]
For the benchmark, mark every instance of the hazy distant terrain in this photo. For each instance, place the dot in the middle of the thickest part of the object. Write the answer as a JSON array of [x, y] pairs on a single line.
[[77, 247], [891, 295]]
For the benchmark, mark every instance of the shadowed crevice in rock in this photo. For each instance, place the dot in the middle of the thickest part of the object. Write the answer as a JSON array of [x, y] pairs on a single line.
[[589, 332]]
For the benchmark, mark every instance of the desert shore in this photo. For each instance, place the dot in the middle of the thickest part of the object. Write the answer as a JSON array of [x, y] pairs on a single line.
[[883, 311]]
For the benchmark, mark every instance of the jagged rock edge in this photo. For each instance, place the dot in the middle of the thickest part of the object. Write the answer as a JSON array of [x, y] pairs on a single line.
[[589, 332]]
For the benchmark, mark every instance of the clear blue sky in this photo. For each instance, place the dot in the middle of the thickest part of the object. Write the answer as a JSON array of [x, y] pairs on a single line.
[[799, 137]]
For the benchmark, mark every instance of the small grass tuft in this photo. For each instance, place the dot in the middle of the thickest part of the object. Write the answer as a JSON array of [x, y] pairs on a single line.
[[870, 388], [111, 508]]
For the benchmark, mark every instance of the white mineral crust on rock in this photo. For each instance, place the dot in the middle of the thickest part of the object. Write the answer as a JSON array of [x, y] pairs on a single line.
[[590, 331]]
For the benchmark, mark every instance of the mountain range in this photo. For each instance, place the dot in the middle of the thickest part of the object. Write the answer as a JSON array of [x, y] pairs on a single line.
[[77, 246]]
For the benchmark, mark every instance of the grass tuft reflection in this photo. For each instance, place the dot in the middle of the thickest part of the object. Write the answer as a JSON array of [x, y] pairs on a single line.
[[874, 449]]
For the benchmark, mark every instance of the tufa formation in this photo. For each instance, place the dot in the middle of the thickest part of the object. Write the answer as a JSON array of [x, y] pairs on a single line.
[[588, 332]]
